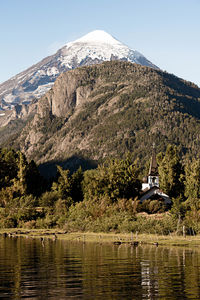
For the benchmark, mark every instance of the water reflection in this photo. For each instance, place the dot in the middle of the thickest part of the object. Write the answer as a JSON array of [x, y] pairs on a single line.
[[32, 269]]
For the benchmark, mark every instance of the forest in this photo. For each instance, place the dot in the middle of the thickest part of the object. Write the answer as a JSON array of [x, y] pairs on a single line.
[[105, 199]]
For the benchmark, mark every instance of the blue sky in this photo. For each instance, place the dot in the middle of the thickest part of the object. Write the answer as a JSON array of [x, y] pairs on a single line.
[[165, 31]]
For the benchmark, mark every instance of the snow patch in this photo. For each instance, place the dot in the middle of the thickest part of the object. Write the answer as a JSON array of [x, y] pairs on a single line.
[[52, 71], [42, 89], [41, 73], [9, 98], [99, 51]]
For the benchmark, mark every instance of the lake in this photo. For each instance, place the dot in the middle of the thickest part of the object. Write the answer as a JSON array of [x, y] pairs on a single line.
[[35, 269]]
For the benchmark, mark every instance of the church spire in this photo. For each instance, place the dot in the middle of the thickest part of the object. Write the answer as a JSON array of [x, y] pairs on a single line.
[[153, 170], [152, 180]]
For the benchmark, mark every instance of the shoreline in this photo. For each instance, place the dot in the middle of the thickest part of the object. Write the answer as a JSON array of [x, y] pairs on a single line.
[[113, 238]]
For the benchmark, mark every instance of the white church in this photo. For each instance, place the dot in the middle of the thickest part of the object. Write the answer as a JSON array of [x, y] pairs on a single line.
[[150, 185]]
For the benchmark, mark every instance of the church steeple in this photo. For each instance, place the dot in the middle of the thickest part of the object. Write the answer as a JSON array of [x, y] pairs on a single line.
[[153, 176], [153, 170]]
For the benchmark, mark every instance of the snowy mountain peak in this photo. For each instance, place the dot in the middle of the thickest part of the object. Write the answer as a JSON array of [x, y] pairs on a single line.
[[93, 48], [98, 36]]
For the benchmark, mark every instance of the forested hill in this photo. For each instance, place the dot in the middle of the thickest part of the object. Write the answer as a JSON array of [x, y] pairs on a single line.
[[109, 109]]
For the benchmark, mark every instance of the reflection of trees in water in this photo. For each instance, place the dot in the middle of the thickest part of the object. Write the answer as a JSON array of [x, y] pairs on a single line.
[[38, 268], [105, 271]]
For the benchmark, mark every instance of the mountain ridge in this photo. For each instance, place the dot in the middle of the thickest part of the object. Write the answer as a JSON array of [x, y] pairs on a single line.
[[35, 81], [109, 109]]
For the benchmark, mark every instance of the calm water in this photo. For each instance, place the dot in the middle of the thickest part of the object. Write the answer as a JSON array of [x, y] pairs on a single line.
[[73, 270]]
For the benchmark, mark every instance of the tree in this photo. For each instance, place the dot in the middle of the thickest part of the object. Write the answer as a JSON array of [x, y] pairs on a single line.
[[21, 174], [192, 182], [8, 167], [76, 185], [171, 173], [63, 185], [18, 178], [115, 179], [69, 187], [35, 182]]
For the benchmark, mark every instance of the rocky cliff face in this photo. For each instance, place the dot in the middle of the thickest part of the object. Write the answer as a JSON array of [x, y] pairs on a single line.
[[19, 111], [70, 91], [109, 109]]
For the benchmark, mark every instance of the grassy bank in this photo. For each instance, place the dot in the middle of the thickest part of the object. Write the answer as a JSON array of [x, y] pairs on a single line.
[[132, 239]]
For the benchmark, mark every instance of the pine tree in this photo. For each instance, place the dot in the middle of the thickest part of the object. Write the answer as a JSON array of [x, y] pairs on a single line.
[[21, 174], [192, 182], [8, 167], [76, 185], [171, 173], [63, 185], [34, 181]]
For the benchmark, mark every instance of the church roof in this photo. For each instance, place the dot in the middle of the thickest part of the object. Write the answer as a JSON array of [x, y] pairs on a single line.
[[153, 170], [154, 191]]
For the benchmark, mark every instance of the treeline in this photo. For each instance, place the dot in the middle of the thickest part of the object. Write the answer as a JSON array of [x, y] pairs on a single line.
[[102, 199]]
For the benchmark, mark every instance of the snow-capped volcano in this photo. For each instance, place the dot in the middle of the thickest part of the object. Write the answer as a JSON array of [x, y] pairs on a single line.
[[95, 47], [101, 46]]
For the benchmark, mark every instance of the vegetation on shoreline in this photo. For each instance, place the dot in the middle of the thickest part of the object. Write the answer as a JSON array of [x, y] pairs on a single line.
[[104, 199], [132, 239]]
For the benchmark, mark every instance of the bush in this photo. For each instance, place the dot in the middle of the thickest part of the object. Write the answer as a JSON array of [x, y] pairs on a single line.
[[48, 199], [152, 206], [29, 225], [8, 222], [49, 221], [192, 221]]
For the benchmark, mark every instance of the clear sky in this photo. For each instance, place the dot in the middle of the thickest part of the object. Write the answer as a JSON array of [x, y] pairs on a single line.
[[167, 32]]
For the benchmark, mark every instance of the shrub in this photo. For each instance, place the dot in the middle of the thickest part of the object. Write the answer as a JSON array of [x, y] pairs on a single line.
[[29, 225], [152, 206], [8, 222]]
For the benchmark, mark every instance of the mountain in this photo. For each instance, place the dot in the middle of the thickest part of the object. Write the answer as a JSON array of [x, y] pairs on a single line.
[[105, 110], [95, 47]]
